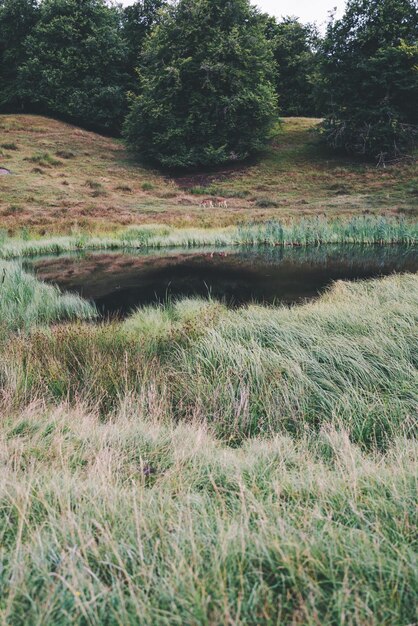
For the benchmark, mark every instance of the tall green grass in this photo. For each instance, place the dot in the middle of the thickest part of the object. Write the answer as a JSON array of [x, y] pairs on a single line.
[[348, 358], [198, 465], [315, 231], [26, 302]]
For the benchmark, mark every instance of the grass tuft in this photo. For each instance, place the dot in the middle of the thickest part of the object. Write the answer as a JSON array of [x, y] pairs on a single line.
[[44, 159], [349, 358], [131, 521], [9, 146], [25, 302]]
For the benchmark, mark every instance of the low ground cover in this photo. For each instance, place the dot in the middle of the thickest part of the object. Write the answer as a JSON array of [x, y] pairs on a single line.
[[348, 357], [129, 521]]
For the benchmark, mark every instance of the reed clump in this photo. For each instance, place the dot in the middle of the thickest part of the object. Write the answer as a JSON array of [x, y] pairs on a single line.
[[26, 302], [365, 230]]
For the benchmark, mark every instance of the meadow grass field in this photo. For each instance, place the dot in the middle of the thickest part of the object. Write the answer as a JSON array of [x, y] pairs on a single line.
[[199, 465], [192, 463]]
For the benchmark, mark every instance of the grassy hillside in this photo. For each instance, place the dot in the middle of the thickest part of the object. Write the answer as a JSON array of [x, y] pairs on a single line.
[[65, 177]]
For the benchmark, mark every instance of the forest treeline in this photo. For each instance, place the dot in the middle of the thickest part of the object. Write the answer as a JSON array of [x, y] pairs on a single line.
[[202, 82]]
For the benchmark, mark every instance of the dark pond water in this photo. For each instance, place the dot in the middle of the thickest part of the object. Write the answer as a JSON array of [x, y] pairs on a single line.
[[120, 282]]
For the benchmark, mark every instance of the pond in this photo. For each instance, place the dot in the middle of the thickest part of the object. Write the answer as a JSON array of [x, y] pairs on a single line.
[[119, 282]]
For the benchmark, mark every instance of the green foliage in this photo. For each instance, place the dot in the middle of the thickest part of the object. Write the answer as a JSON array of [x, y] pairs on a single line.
[[17, 19], [205, 91], [369, 73], [71, 58], [138, 19], [294, 47], [74, 63]]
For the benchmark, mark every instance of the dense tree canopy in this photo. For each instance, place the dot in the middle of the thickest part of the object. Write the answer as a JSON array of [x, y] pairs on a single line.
[[369, 75], [17, 19], [211, 73], [74, 63], [138, 20], [294, 47], [73, 58], [206, 95]]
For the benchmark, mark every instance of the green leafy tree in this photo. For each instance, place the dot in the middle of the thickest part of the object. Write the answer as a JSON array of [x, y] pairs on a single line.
[[369, 68], [294, 47], [17, 19], [138, 20], [206, 95], [74, 63]]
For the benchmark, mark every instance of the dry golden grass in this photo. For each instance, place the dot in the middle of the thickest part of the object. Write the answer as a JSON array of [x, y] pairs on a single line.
[[66, 178]]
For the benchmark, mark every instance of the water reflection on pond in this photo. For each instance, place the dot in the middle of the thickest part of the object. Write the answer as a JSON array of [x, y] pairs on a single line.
[[119, 282]]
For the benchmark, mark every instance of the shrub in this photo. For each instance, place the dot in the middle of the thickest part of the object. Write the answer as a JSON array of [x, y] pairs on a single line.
[[370, 79], [205, 91]]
